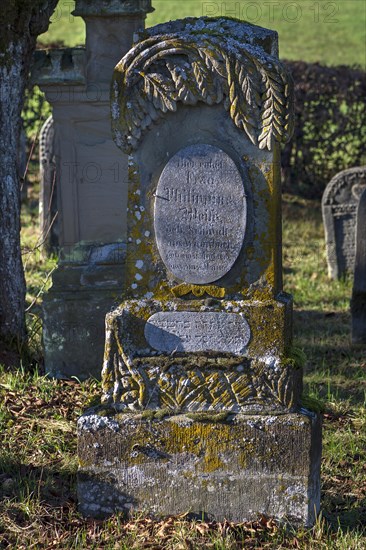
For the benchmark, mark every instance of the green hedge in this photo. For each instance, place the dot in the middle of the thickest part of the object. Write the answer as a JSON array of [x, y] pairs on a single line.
[[330, 125]]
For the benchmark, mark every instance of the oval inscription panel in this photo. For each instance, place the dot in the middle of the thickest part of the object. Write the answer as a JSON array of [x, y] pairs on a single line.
[[187, 331], [200, 214]]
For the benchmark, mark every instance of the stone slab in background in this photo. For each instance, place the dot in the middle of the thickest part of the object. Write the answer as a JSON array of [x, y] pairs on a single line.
[[232, 468], [339, 207], [86, 284], [91, 184], [358, 303]]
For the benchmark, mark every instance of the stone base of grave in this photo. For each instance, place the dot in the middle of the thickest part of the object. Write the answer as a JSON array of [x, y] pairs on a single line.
[[232, 467]]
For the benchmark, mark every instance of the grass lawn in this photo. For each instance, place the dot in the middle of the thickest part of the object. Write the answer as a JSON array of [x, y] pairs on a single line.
[[38, 460], [332, 33]]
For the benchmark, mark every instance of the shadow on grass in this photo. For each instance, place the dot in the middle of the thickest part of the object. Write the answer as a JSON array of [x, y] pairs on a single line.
[[345, 512], [23, 484], [335, 372], [336, 367]]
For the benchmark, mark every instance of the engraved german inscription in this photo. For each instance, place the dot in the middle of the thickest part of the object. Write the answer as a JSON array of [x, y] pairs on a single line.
[[200, 214], [186, 331]]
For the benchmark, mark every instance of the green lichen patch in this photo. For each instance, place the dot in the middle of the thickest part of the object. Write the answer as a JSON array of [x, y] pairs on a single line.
[[312, 404], [159, 414], [209, 416], [294, 358]]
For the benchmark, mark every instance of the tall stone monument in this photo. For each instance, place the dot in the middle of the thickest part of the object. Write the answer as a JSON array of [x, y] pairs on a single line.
[[201, 390], [339, 208], [358, 302], [91, 186]]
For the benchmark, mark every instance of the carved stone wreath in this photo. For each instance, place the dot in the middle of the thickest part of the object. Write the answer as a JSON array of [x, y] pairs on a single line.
[[188, 67]]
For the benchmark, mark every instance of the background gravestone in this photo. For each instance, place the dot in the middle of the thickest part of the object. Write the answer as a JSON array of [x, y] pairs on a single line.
[[358, 303], [201, 347], [91, 178], [339, 208], [23, 164], [48, 188]]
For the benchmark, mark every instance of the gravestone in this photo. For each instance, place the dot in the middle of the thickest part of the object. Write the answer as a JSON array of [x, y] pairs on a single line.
[[47, 188], [91, 186], [358, 302], [201, 389], [339, 208]]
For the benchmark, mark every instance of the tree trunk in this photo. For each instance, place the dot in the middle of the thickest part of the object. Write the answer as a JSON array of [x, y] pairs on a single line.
[[12, 283], [21, 21]]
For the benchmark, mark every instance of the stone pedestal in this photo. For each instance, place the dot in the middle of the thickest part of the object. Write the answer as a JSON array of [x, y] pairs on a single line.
[[91, 176], [232, 467]]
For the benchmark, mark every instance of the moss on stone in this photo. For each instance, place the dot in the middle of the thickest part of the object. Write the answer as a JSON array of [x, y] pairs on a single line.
[[208, 416], [105, 411], [312, 404], [295, 358], [159, 414]]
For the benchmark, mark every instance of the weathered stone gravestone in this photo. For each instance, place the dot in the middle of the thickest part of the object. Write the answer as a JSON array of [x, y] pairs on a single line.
[[91, 186], [339, 207], [358, 303], [201, 392], [47, 188]]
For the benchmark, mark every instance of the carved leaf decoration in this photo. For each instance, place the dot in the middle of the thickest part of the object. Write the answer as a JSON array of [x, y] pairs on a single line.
[[160, 91], [241, 387], [213, 58], [179, 75], [176, 394], [216, 66], [275, 118], [221, 391], [282, 388], [195, 391], [203, 81], [244, 95], [194, 388], [163, 70]]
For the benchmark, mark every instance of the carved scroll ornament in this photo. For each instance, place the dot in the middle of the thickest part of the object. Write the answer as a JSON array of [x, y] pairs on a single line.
[[188, 67]]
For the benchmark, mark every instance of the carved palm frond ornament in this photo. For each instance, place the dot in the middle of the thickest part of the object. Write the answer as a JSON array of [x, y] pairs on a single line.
[[198, 65]]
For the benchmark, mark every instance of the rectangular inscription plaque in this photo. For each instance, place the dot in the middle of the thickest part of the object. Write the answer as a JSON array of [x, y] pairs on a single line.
[[187, 331]]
